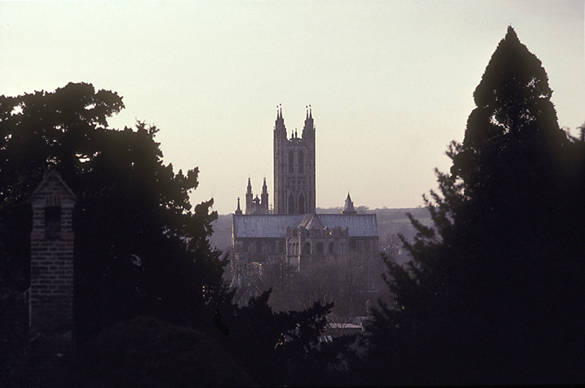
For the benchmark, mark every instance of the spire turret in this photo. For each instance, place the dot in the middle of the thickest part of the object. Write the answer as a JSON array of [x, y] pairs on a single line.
[[279, 128], [309, 128], [238, 210], [264, 198], [348, 208], [249, 197]]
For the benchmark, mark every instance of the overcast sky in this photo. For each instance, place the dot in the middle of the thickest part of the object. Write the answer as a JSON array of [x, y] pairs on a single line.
[[390, 82]]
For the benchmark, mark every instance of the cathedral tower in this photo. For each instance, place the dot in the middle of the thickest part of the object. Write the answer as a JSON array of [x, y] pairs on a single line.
[[294, 168]]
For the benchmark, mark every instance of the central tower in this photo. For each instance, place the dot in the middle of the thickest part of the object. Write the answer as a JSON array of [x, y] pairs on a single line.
[[294, 167]]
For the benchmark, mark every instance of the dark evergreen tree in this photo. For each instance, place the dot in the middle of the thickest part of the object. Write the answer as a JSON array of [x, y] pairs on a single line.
[[495, 291]]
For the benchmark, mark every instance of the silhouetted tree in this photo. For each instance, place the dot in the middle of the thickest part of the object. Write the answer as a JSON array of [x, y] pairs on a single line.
[[133, 221], [495, 291], [275, 348], [146, 352], [140, 248]]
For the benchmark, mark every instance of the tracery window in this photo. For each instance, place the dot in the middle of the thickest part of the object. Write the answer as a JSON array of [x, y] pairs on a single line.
[[301, 162], [291, 205], [291, 160], [301, 207]]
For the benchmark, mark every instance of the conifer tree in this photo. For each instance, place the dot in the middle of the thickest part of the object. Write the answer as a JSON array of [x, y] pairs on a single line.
[[494, 292]]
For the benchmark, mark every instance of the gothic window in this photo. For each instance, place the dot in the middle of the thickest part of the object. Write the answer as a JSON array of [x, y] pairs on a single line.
[[301, 162], [301, 204], [291, 204], [291, 160], [258, 247], [52, 222], [319, 248], [307, 248], [331, 248], [272, 247]]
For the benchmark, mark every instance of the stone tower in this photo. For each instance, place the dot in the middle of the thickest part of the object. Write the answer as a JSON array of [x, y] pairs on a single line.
[[294, 168], [51, 320]]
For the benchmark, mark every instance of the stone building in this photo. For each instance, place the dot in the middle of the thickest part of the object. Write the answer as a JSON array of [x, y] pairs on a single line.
[[293, 232]]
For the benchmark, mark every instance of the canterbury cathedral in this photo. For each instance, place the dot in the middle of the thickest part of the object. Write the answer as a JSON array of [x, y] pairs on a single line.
[[291, 230]]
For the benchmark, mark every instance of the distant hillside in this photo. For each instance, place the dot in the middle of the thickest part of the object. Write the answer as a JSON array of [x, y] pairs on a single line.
[[390, 222]]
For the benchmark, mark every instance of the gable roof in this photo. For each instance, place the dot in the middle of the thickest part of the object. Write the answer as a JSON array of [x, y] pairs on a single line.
[[52, 174], [311, 221]]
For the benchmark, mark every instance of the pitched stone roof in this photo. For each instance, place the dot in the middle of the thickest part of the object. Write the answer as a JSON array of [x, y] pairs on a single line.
[[359, 225], [274, 225], [265, 225]]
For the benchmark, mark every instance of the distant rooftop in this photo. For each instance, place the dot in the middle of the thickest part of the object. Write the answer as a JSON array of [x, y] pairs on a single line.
[[274, 225]]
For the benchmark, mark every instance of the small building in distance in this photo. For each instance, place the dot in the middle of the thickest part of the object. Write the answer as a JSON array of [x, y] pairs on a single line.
[[293, 232]]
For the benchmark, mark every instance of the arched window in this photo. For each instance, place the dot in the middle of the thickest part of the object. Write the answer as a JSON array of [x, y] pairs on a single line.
[[307, 248], [319, 248], [291, 161], [301, 162], [291, 204], [331, 248], [352, 246], [301, 207]]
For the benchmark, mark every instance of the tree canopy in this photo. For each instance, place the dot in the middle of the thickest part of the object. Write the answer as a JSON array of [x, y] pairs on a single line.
[[494, 291], [141, 249], [133, 220]]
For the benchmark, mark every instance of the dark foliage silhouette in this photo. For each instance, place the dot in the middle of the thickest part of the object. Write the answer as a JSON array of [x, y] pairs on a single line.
[[140, 248], [495, 291]]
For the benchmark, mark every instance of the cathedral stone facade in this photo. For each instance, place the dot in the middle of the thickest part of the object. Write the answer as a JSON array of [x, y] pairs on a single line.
[[292, 231]]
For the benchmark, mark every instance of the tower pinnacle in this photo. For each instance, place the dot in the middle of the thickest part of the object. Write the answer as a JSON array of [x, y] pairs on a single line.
[[348, 208]]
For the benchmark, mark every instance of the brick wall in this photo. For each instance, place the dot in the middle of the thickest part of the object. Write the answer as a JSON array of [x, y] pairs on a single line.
[[51, 321]]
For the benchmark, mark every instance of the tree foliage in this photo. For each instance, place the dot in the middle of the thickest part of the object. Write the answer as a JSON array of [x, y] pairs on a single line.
[[145, 352], [140, 247], [347, 283], [494, 291], [276, 347], [133, 220]]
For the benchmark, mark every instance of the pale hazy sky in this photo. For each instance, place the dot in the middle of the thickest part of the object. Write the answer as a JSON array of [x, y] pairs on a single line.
[[390, 82]]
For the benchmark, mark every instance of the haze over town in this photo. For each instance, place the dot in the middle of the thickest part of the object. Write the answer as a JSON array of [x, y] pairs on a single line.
[[390, 83]]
